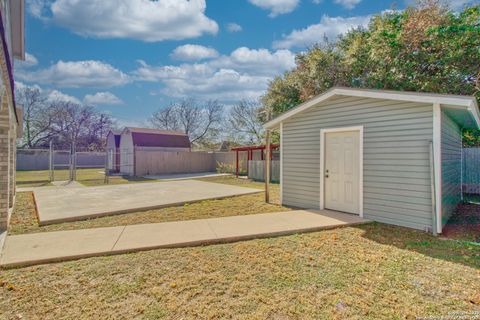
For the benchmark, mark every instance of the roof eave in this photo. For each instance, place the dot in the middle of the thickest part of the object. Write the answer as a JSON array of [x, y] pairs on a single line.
[[468, 102]]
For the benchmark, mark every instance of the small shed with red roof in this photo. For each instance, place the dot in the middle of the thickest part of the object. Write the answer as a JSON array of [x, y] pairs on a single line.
[[113, 150], [133, 139]]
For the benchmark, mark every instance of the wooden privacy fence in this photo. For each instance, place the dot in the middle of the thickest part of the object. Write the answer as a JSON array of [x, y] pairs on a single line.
[[157, 162], [471, 170], [256, 170], [149, 162]]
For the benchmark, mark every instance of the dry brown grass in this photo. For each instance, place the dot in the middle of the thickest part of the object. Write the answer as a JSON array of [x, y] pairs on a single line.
[[368, 272], [24, 219], [372, 271], [88, 177]]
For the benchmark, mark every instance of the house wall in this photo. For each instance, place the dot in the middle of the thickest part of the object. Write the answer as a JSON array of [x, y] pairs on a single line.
[[4, 167], [451, 166], [7, 162], [8, 120], [396, 167]]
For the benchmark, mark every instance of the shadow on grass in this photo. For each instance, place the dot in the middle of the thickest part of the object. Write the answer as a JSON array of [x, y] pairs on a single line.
[[426, 244], [464, 224]]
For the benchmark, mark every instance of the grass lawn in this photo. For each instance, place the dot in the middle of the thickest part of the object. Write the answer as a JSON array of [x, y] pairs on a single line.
[[464, 224], [24, 219], [371, 271]]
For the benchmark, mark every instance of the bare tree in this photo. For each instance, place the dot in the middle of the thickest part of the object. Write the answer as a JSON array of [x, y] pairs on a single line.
[[245, 122], [62, 121], [81, 125], [199, 122], [37, 116]]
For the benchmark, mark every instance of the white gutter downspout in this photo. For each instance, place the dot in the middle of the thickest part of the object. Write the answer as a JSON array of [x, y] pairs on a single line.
[[432, 187], [437, 164]]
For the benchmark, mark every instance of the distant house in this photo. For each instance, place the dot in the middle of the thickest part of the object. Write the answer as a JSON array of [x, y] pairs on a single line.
[[113, 150], [389, 156], [145, 139], [12, 45]]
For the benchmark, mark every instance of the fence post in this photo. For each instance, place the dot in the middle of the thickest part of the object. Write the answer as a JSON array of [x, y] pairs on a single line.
[[51, 176], [106, 172]]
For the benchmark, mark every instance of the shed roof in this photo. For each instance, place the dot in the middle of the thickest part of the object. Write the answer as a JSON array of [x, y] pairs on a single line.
[[147, 137], [467, 103], [155, 131]]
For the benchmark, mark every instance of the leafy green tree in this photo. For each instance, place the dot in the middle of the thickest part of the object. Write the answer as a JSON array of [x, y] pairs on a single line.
[[426, 48]]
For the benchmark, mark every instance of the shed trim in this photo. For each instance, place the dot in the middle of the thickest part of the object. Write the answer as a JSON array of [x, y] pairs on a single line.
[[360, 164], [437, 163], [467, 102], [281, 163]]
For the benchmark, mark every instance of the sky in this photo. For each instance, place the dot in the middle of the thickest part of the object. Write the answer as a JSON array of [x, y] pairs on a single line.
[[132, 57]]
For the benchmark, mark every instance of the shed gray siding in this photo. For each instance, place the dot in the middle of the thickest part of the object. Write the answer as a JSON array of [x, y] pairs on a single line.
[[451, 166], [396, 167]]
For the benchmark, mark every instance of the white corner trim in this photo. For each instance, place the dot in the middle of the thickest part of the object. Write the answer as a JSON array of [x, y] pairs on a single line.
[[461, 165], [360, 164], [437, 163], [281, 163], [473, 109], [420, 97]]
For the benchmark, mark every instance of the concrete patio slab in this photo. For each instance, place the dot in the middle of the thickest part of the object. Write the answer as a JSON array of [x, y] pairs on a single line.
[[31, 249], [56, 205], [186, 176]]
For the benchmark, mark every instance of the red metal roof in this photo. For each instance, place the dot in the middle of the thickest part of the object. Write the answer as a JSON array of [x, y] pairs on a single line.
[[249, 148], [146, 137]]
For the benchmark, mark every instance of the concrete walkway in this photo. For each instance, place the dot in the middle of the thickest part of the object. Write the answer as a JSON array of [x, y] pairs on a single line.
[[56, 205], [38, 248]]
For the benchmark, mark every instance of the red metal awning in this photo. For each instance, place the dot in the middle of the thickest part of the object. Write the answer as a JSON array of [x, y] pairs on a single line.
[[250, 150]]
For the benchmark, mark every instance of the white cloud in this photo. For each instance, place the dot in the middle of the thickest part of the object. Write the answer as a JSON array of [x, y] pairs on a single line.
[[55, 95], [50, 95], [75, 74], [30, 61], [234, 27], [276, 7], [256, 61], [348, 4], [244, 74], [37, 8], [190, 52], [144, 20], [330, 27], [21, 86], [102, 98]]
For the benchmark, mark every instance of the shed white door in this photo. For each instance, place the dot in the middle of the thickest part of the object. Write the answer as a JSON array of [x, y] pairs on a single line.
[[342, 158]]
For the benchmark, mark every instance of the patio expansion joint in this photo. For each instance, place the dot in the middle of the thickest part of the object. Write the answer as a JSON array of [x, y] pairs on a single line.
[[118, 238], [211, 229]]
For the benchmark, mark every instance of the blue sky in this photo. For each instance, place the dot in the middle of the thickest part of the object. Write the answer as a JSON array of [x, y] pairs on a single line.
[[131, 57]]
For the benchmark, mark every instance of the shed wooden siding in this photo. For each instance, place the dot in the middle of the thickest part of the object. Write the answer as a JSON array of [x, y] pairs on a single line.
[[396, 167], [451, 166]]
